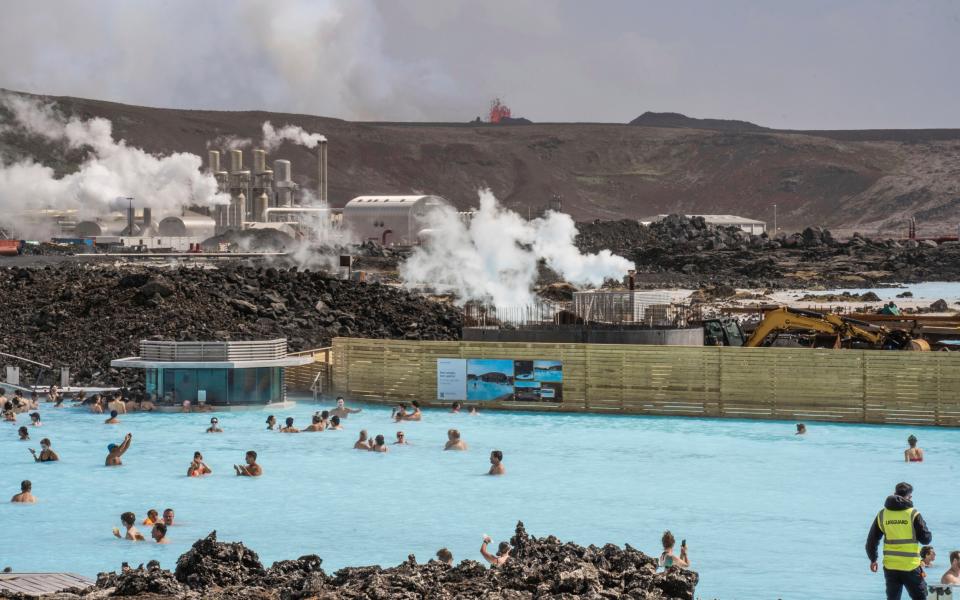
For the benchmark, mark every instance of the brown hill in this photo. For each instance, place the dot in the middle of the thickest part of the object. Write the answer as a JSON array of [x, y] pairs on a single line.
[[609, 171]]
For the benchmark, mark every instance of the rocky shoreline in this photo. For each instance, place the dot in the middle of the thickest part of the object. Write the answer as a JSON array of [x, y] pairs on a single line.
[[543, 568], [688, 252], [83, 316]]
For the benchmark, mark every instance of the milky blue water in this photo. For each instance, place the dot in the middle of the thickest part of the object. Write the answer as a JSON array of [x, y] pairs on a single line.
[[766, 514], [928, 290]]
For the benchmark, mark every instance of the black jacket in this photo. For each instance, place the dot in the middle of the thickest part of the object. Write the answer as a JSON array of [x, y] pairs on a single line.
[[896, 503]]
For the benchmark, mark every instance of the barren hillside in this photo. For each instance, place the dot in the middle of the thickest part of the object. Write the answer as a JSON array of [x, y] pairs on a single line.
[[844, 180]]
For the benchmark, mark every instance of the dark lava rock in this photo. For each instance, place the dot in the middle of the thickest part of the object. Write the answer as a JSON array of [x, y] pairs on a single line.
[[82, 316], [211, 563], [940, 306], [542, 568]]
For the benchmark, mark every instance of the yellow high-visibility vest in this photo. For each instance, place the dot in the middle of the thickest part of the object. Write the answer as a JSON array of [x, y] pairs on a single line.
[[901, 550]]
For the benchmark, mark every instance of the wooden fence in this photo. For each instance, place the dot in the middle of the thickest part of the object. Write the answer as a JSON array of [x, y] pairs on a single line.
[[316, 376], [864, 386]]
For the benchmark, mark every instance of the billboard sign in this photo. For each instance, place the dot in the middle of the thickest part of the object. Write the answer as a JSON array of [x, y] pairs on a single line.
[[499, 380]]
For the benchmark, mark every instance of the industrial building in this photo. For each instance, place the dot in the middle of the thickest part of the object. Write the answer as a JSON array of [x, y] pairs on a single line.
[[216, 374], [391, 220], [751, 226]]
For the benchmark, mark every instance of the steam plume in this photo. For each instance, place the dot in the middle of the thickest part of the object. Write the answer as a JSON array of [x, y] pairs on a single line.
[[111, 170], [494, 258], [272, 138]]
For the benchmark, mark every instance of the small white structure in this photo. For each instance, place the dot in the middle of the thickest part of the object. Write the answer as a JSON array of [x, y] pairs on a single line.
[[390, 220], [751, 226]]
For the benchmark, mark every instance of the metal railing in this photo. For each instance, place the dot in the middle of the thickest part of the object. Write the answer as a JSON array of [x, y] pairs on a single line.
[[164, 350]]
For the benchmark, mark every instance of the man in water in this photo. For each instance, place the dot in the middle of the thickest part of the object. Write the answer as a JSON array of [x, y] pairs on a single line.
[[801, 429], [128, 519], [26, 494], [46, 453], [927, 556], [362, 442], [399, 412], [159, 533], [342, 411], [35, 419], [315, 425], [251, 469], [168, 517], [401, 439], [498, 559], [379, 444], [952, 576], [289, 427], [214, 426], [445, 556], [115, 451], [113, 420], [453, 441], [153, 517], [335, 423], [496, 463], [903, 530], [415, 415], [24, 433]]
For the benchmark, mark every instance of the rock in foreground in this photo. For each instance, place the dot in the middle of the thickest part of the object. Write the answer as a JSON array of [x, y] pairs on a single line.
[[540, 568]]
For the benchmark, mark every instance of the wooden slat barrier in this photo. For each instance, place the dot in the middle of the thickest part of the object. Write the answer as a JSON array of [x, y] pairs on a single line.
[[300, 378], [864, 386]]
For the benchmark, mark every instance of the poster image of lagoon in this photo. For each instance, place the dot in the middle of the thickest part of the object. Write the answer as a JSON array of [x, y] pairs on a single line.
[[548, 371], [538, 381], [489, 379]]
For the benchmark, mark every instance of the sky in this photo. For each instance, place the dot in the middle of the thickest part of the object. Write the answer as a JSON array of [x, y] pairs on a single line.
[[810, 64]]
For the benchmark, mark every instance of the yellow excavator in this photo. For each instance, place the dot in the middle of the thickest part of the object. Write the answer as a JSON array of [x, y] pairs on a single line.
[[846, 332]]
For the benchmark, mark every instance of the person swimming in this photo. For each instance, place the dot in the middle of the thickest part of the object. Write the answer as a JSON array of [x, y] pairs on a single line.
[[26, 494], [24, 433], [8, 413], [453, 441], [342, 411], [474, 411], [289, 428], [128, 520], [801, 429], [416, 414], [335, 423], [498, 559], [445, 556], [168, 517], [198, 467], [496, 464], [362, 442], [114, 452], [271, 422], [113, 420], [455, 408], [159, 533], [46, 453], [401, 439], [379, 444], [913, 453], [214, 426], [251, 469], [35, 419], [153, 517], [316, 424], [399, 412]]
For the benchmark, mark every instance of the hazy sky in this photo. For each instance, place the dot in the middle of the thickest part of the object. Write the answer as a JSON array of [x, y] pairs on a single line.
[[804, 64]]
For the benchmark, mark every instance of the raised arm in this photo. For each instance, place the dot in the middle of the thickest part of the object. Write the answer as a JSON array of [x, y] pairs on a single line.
[[125, 445], [491, 558]]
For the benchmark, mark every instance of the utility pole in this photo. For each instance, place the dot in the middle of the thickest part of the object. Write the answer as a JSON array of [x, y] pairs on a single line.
[[774, 219]]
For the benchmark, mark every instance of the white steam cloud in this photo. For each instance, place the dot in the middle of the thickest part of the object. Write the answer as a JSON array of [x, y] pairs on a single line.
[[272, 138], [112, 170], [494, 257]]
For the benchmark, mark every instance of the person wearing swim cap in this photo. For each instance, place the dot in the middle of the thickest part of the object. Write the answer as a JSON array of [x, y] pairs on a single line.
[[115, 451]]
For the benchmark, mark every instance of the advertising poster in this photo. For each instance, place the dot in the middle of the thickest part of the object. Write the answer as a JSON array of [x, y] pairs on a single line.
[[451, 379], [499, 380]]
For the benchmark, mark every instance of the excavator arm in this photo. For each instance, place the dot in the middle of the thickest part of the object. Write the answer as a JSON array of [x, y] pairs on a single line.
[[787, 319]]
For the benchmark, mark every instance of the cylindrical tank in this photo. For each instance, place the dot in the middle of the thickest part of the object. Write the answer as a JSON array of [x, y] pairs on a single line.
[[237, 210], [87, 229], [281, 169], [259, 160], [188, 225], [236, 160], [213, 160], [260, 207]]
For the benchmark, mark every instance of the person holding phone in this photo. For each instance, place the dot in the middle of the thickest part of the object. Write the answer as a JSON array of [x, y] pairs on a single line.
[[668, 558]]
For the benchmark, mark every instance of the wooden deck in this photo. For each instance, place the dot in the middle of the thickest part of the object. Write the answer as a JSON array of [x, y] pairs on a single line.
[[40, 584]]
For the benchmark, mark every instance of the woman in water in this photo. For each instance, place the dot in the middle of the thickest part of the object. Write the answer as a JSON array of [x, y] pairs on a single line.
[[24, 434], [668, 558], [35, 419], [198, 467], [271, 422], [46, 452], [335, 423], [8, 414], [912, 454], [153, 517], [129, 519], [379, 444], [214, 426]]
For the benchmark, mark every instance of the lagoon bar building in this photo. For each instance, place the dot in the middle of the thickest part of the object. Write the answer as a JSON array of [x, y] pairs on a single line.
[[218, 374]]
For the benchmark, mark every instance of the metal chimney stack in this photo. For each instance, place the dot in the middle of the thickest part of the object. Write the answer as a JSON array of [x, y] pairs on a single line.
[[259, 160], [213, 161], [236, 160], [322, 168], [147, 218]]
